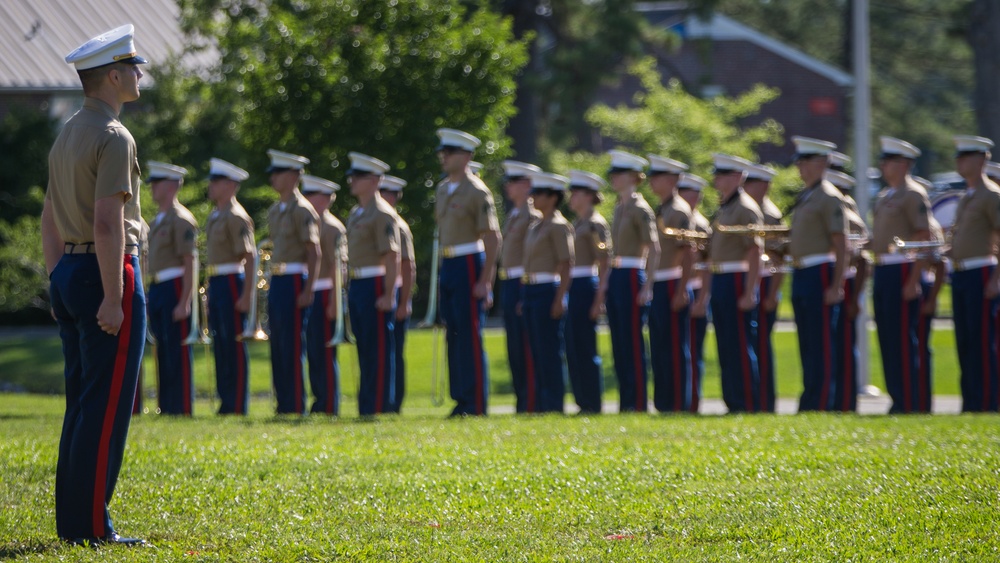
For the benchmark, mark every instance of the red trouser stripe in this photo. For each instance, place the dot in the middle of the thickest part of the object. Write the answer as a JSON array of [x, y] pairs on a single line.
[[640, 386], [111, 411], [744, 356], [922, 344], [331, 384], [905, 344], [763, 336], [529, 369], [185, 363], [297, 338], [380, 360], [477, 349], [824, 396], [237, 330]]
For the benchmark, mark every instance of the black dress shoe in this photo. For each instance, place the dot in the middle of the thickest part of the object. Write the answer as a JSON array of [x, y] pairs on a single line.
[[113, 539]]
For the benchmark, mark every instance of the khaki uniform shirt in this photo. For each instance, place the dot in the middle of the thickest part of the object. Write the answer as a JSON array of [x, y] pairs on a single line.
[[899, 212], [818, 215], [332, 242], [229, 235], [94, 157], [172, 236], [977, 217], [465, 213], [514, 230], [547, 243], [292, 227], [774, 247], [739, 210], [632, 226], [592, 239], [372, 231], [674, 213], [700, 223], [405, 240]]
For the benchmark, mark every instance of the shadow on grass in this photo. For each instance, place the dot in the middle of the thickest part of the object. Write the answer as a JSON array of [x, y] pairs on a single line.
[[11, 551]]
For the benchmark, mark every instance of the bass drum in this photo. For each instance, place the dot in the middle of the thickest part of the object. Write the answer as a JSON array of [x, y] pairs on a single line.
[[944, 206]]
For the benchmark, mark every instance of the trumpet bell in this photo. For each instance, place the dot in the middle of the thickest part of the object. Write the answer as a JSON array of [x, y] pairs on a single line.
[[257, 334]]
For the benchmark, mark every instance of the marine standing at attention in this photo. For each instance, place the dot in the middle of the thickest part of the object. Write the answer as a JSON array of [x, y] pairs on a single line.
[[690, 188], [90, 238], [818, 247], [469, 236], [231, 275], [669, 327], [517, 185], [173, 254], [391, 190], [630, 285], [294, 227], [592, 245], [735, 267], [324, 367]]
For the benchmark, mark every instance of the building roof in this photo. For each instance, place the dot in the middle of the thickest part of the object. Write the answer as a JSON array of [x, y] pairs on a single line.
[[674, 16], [36, 36]]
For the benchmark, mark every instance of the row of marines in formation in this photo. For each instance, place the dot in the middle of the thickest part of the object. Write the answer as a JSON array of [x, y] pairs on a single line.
[[669, 268]]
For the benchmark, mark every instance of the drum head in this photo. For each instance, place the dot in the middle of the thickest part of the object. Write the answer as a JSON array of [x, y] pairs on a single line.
[[944, 206]]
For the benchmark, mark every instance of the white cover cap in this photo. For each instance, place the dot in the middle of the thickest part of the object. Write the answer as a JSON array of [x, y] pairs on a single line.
[[971, 143], [993, 170], [691, 182], [839, 160], [621, 160], [659, 164], [548, 181], [842, 180], [317, 185], [164, 171], [115, 46], [280, 160], [362, 163], [807, 146], [760, 172], [728, 162], [457, 139], [586, 180], [219, 167], [518, 169], [894, 146], [475, 167], [392, 184]]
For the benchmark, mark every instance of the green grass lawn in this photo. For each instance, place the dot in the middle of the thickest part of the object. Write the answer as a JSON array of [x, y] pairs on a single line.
[[34, 364], [537, 488]]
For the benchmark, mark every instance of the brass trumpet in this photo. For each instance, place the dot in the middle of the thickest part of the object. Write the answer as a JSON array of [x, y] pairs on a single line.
[[430, 320], [932, 250], [762, 231], [684, 234], [340, 332], [253, 329], [199, 310]]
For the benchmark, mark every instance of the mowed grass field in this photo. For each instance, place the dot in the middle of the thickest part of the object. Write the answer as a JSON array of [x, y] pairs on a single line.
[[419, 487], [536, 488]]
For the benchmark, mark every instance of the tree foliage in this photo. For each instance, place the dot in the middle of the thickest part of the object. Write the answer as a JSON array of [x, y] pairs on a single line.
[[25, 138]]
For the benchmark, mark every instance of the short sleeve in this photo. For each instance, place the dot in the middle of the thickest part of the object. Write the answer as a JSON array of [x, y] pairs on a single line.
[[386, 233], [917, 210], [602, 238], [307, 227], [115, 165], [646, 228], [486, 214], [836, 219], [241, 235], [185, 237], [562, 241], [993, 210]]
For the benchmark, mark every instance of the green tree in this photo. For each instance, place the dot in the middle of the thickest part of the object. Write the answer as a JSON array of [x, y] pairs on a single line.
[[25, 138], [667, 120]]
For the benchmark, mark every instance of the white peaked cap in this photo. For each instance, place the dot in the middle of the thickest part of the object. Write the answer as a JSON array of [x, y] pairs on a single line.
[[392, 184], [518, 169], [286, 160], [923, 182], [366, 164], [839, 159], [115, 46], [691, 182], [587, 180], [842, 180], [894, 146], [548, 181], [729, 162], [457, 139], [971, 143], [805, 146], [164, 171], [315, 184], [993, 169], [760, 172], [475, 167], [659, 163], [621, 160], [219, 167]]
